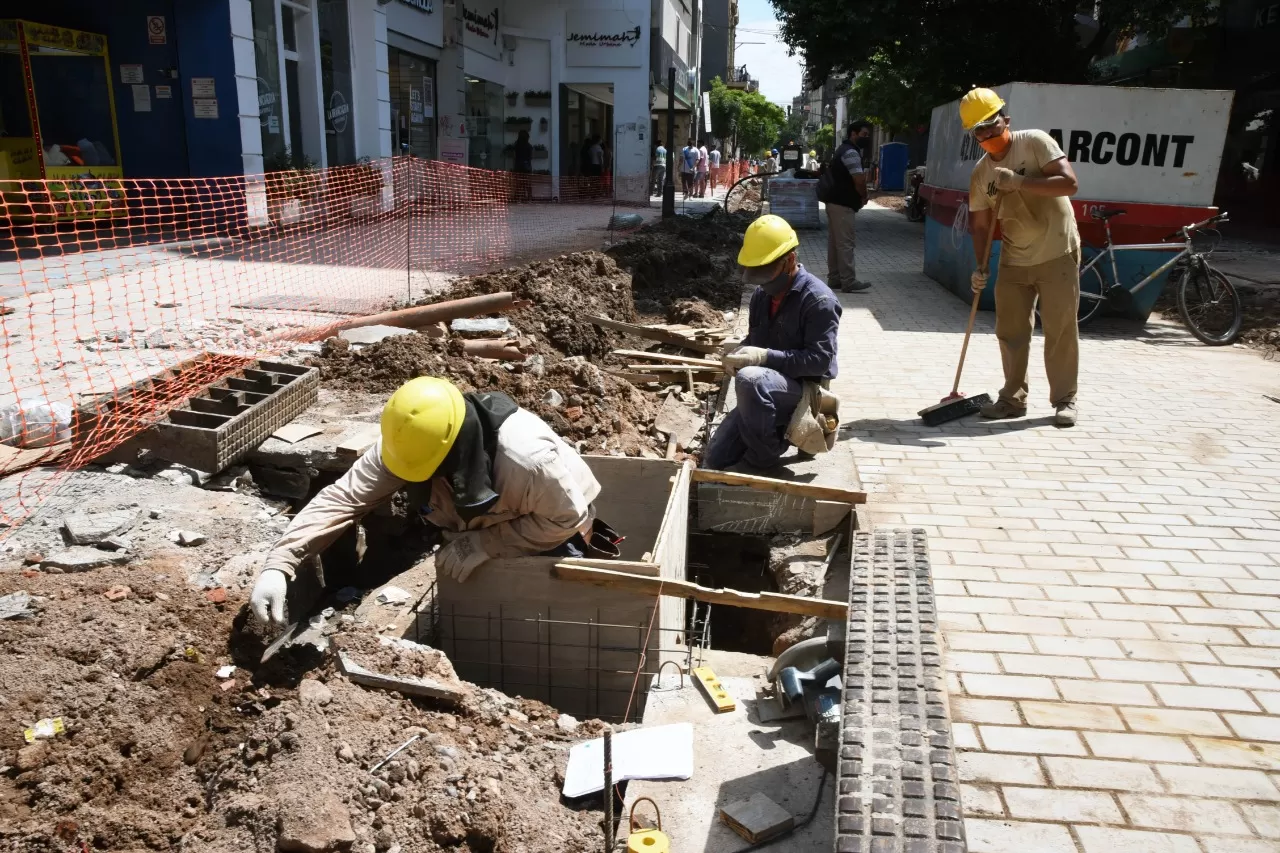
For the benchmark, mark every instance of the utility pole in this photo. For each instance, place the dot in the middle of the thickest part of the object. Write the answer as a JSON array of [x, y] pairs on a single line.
[[669, 184]]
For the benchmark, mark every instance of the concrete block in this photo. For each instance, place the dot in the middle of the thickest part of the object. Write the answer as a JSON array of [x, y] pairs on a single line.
[[82, 559], [92, 528]]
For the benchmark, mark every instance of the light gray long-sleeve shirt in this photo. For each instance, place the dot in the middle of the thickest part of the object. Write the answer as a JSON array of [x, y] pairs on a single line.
[[545, 492]]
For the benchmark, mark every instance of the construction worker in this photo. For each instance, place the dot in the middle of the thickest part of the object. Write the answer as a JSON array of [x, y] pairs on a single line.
[[492, 476], [792, 325], [1039, 254], [843, 189]]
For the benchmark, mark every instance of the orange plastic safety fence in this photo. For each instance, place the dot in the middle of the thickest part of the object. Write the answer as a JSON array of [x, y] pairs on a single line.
[[107, 284]]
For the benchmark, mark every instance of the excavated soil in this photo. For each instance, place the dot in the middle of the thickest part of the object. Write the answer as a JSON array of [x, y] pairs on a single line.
[[683, 258], [160, 754], [695, 312]]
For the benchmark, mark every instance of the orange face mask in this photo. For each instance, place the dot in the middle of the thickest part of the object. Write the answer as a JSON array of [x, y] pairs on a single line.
[[997, 145]]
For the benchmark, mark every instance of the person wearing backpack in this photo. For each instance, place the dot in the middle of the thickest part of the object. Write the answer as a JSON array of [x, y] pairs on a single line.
[[842, 187]]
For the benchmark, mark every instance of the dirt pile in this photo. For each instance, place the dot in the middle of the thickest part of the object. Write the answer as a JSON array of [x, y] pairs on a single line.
[[159, 753], [587, 407], [685, 257], [695, 312]]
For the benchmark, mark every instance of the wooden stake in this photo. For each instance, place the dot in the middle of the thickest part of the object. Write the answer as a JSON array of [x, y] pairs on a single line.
[[650, 333], [784, 487], [668, 359]]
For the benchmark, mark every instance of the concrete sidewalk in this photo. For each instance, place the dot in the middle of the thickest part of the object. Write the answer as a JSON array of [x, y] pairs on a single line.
[[1109, 594]]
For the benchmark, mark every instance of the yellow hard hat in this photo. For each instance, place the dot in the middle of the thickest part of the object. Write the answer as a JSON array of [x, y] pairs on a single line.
[[979, 105], [420, 423], [813, 153], [766, 240]]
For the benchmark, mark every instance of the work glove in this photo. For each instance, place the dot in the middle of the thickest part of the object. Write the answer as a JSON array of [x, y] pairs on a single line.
[[978, 280], [267, 600], [460, 557], [743, 357], [1007, 180]]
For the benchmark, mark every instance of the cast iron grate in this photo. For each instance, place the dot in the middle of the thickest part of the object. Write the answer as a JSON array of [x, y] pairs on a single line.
[[896, 776]]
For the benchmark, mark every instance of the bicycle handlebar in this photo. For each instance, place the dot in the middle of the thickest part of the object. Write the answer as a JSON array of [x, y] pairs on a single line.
[[1185, 231]]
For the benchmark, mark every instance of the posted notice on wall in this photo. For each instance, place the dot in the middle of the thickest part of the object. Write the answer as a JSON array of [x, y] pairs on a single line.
[[164, 93], [141, 98], [204, 107], [130, 74], [203, 87], [454, 151]]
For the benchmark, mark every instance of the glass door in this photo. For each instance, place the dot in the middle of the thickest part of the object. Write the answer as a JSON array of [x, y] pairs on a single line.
[[335, 77], [413, 103]]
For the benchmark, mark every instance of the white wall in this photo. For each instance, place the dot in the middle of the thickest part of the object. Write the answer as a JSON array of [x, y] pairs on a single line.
[[370, 87], [424, 26], [246, 104]]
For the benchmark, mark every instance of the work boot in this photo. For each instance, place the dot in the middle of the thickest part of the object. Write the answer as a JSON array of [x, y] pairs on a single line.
[[1001, 409], [857, 286], [1066, 414]]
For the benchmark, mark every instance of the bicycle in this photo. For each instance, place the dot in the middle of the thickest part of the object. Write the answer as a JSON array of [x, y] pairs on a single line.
[[1207, 300]]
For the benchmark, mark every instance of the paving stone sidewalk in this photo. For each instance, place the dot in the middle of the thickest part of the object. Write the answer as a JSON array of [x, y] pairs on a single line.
[[1109, 595]]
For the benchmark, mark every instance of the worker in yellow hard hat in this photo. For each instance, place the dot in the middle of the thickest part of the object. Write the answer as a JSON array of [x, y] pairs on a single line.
[[1039, 252], [787, 357], [491, 476]]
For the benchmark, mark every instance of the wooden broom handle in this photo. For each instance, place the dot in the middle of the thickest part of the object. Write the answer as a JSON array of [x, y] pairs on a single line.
[[973, 311]]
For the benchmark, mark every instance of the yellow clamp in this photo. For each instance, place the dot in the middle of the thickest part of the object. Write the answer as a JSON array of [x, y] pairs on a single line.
[[646, 840]]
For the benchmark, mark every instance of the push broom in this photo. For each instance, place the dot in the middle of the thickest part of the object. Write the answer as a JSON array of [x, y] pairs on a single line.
[[956, 405]]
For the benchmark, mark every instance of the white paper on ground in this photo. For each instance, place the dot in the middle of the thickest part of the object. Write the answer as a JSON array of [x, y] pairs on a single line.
[[661, 752]]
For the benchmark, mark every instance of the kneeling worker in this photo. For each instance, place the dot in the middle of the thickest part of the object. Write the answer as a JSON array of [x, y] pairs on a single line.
[[491, 475], [788, 355]]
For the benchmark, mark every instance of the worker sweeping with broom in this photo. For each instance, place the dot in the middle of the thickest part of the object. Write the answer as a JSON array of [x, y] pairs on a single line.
[[1025, 180]]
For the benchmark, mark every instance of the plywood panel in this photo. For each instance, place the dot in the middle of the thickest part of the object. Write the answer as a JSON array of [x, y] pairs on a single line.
[[633, 498]]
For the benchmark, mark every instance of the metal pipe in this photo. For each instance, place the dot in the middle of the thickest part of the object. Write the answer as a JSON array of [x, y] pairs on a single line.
[[503, 350], [422, 315], [608, 789]]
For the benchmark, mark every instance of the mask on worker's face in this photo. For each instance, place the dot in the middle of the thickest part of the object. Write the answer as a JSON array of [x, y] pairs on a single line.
[[780, 282], [997, 145]]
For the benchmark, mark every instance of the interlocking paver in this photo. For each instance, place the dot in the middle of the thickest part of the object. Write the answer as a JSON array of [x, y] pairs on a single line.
[[1133, 558]]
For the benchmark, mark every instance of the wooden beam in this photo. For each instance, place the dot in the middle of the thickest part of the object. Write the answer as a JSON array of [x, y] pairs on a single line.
[[783, 487], [631, 567], [680, 371], [635, 377], [772, 601], [661, 335], [668, 359]]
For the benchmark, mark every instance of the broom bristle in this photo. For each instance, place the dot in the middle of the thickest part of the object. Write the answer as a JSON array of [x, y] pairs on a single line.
[[953, 409]]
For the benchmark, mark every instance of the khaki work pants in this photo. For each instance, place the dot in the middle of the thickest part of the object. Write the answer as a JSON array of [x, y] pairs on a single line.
[[840, 246], [1056, 284]]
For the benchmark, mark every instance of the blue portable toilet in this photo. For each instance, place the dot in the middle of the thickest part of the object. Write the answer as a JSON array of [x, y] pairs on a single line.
[[893, 166]]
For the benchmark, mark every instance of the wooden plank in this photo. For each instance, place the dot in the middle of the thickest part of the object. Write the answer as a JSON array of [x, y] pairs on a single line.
[[678, 371], [668, 359], [631, 567], [771, 601], [408, 685], [661, 335], [355, 445], [785, 487], [635, 377]]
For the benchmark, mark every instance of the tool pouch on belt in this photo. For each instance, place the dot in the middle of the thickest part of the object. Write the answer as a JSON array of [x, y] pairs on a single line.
[[815, 421], [604, 541]]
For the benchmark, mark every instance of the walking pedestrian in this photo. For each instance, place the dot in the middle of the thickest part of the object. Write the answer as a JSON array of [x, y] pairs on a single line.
[[688, 166], [659, 173], [1039, 252], [843, 188], [713, 157], [703, 161]]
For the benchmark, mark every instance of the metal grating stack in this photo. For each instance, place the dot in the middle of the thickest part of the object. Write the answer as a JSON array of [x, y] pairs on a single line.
[[897, 790]]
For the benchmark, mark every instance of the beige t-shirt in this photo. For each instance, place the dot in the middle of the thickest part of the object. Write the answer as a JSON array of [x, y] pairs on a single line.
[[1035, 229]]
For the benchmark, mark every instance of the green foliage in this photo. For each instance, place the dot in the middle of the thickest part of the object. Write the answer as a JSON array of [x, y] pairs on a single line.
[[825, 140], [916, 54], [745, 118]]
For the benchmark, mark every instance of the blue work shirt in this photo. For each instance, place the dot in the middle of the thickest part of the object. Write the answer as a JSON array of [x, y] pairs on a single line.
[[801, 337]]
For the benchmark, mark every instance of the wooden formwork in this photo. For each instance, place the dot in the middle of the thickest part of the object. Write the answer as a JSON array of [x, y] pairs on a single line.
[[515, 627]]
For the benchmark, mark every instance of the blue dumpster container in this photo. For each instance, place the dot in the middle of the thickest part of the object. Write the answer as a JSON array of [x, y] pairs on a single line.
[[893, 166]]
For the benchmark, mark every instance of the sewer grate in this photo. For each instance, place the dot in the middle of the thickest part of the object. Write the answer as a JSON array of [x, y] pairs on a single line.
[[897, 790]]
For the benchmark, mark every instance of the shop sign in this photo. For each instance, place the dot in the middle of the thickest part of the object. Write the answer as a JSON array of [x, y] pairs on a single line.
[[267, 105], [607, 38], [427, 6], [480, 30], [338, 113]]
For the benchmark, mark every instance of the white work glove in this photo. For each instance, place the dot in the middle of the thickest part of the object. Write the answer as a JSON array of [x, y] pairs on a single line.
[[1007, 180], [743, 357], [978, 280], [460, 557], [267, 600]]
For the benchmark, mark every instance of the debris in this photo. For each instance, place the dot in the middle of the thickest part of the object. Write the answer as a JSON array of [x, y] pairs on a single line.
[[366, 335], [155, 513], [408, 685], [32, 757], [46, 728], [217, 595], [312, 692], [399, 749], [16, 605], [92, 528], [661, 752], [293, 433], [757, 818], [187, 538], [83, 559], [225, 671], [553, 399], [115, 543], [315, 822], [567, 723], [35, 422], [345, 753], [535, 366], [119, 592], [392, 595], [481, 326]]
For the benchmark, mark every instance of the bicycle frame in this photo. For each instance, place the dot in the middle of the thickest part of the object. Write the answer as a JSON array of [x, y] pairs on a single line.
[[1111, 248]]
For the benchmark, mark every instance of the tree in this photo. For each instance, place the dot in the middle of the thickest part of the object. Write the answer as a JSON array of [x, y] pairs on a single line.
[[747, 118], [921, 53], [825, 140]]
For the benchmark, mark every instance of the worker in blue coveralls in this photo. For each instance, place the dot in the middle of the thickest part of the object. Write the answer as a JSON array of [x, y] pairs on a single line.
[[791, 341]]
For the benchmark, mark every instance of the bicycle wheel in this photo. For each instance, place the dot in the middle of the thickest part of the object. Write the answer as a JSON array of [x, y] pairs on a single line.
[[1092, 288], [1210, 306], [746, 196]]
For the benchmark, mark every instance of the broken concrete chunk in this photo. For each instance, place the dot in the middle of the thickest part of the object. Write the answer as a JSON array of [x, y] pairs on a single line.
[[16, 605], [372, 334], [317, 822], [553, 399], [115, 543], [481, 325], [187, 538], [567, 723], [392, 595], [82, 559], [312, 692], [90, 528]]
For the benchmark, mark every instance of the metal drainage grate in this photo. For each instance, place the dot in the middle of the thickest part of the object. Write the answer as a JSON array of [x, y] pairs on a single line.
[[896, 776]]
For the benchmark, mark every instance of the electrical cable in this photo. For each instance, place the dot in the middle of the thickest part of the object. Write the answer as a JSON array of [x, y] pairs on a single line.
[[817, 804]]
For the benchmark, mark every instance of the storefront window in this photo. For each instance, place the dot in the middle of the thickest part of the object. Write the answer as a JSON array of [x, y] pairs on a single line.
[[335, 76], [413, 103], [266, 57], [484, 124]]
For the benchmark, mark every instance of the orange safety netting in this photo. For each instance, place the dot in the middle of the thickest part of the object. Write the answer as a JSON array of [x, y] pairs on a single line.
[[108, 286]]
